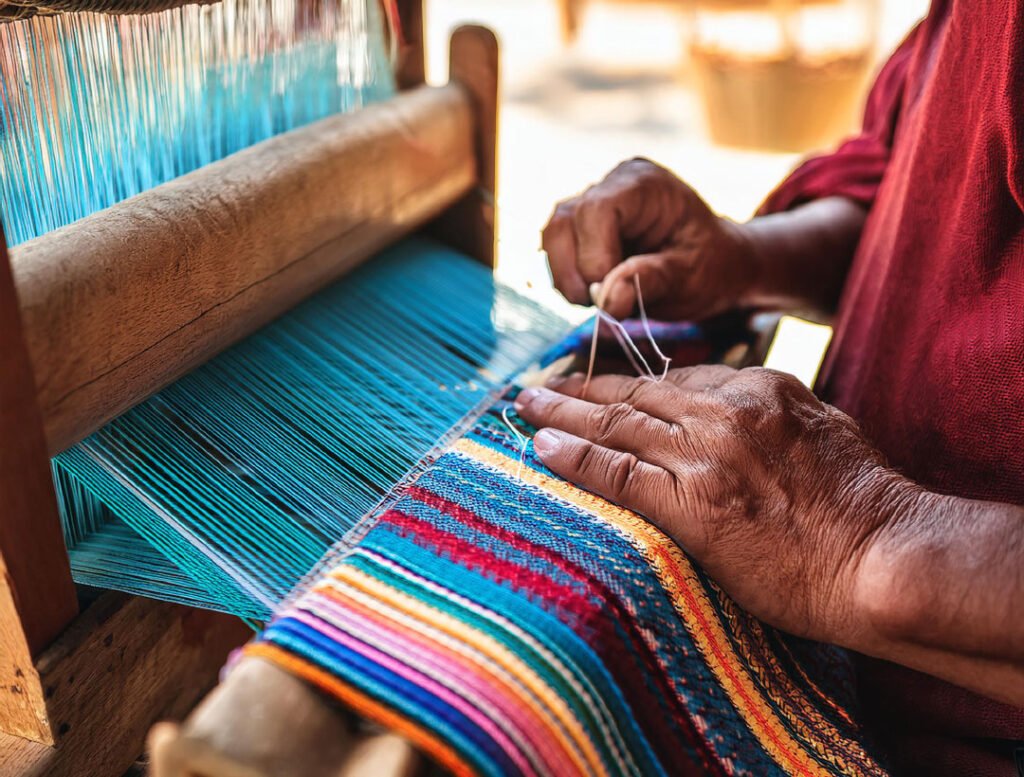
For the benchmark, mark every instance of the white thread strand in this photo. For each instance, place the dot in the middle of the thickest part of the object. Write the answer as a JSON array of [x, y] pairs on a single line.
[[633, 353]]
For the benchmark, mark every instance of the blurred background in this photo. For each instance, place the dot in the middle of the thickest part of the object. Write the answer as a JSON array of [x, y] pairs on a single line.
[[730, 94]]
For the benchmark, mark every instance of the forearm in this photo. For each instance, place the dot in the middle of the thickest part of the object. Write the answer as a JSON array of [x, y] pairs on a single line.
[[800, 258], [940, 588]]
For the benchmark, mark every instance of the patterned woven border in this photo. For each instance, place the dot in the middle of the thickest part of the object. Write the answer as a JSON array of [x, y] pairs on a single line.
[[509, 623]]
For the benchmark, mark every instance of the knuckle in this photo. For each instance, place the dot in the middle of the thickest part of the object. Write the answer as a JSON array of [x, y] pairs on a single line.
[[635, 391], [681, 373], [596, 201], [561, 215], [622, 475], [746, 414], [711, 375], [768, 380], [564, 209], [609, 420], [589, 463], [752, 410], [638, 165]]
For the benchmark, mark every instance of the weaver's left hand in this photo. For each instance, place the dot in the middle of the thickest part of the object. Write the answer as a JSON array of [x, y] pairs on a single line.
[[776, 494]]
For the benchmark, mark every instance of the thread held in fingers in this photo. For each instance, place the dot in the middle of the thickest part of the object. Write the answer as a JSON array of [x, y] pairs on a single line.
[[633, 353]]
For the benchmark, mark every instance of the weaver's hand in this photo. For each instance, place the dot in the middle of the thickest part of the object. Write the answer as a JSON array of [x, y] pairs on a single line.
[[643, 221], [776, 494]]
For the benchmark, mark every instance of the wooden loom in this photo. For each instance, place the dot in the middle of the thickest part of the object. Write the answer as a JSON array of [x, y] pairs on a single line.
[[98, 315]]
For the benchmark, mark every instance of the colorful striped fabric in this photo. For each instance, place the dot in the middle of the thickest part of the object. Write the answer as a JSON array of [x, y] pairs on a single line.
[[509, 623]]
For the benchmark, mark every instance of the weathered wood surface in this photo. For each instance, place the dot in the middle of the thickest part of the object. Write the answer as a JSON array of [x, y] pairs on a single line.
[[263, 722], [471, 224], [123, 664], [37, 597], [123, 302]]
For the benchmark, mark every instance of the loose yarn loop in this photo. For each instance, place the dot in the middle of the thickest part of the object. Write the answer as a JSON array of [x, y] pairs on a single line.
[[633, 353]]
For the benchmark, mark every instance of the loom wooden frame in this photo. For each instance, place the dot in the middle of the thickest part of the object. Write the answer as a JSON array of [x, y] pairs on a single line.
[[79, 690]]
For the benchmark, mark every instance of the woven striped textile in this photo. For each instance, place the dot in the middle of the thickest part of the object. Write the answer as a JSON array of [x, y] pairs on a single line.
[[509, 623]]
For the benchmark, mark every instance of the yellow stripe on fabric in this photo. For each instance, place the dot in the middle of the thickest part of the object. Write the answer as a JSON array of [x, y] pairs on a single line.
[[362, 704], [459, 652], [680, 581], [772, 675], [433, 619], [605, 722]]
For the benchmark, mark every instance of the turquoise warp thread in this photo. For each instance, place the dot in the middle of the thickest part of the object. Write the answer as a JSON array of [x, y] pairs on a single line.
[[224, 489], [96, 108], [227, 487]]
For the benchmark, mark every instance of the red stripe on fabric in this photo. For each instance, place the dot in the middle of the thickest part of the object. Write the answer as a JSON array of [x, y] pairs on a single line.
[[644, 704]]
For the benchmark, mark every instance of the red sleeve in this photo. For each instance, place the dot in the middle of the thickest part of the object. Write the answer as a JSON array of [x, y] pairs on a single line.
[[856, 168]]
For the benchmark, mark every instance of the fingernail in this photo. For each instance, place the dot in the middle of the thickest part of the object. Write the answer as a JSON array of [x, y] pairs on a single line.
[[525, 397], [555, 381], [546, 441]]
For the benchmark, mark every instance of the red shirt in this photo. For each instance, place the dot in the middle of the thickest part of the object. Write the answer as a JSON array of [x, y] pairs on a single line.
[[928, 353]]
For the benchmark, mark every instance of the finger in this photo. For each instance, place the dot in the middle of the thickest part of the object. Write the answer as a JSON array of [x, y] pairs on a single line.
[[618, 426], [559, 243], [657, 399], [619, 477], [596, 228], [655, 275]]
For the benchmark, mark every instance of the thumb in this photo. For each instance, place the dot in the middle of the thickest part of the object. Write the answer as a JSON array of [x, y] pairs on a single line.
[[653, 273]]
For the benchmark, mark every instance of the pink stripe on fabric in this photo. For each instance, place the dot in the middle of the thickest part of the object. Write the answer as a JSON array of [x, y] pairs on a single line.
[[425, 682], [529, 731], [466, 675]]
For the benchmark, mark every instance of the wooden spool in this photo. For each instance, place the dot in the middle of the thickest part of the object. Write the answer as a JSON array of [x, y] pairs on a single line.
[[97, 316]]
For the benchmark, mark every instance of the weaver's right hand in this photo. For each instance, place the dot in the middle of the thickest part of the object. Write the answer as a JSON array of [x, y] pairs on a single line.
[[641, 220]]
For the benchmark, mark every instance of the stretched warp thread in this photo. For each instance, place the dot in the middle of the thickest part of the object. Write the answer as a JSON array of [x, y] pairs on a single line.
[[511, 624], [95, 109], [225, 488]]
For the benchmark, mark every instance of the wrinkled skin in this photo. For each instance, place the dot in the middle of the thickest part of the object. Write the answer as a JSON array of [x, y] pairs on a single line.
[[776, 494], [665, 232]]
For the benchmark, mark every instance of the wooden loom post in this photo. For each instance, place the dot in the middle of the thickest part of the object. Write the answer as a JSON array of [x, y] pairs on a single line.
[[123, 663], [37, 595], [411, 68], [471, 224], [76, 694]]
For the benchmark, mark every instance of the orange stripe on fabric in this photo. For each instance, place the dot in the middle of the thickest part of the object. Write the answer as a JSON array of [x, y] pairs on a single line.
[[486, 646], [363, 704], [414, 636], [679, 581]]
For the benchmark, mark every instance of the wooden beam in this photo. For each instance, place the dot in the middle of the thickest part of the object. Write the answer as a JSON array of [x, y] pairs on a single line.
[[471, 224], [569, 12], [125, 301], [412, 67], [37, 596], [123, 664]]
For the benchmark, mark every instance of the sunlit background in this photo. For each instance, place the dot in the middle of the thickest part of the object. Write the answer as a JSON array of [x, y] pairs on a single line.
[[728, 93]]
